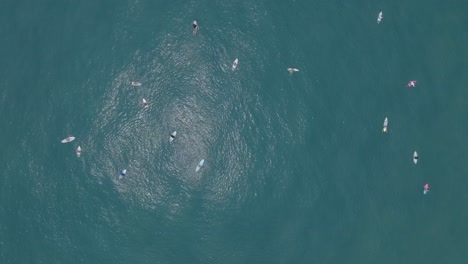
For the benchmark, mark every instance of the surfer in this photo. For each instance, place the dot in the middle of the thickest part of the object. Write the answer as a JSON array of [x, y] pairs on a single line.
[[200, 165], [385, 124], [426, 188], [136, 84], [379, 18], [291, 70], [145, 104], [68, 139], [122, 174], [411, 83], [415, 157], [235, 63], [195, 27], [172, 136]]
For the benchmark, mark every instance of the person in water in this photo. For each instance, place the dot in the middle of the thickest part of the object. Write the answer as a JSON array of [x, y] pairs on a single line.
[[195, 27], [426, 188]]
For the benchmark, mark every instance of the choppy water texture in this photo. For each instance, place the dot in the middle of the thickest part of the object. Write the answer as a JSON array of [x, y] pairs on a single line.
[[296, 170]]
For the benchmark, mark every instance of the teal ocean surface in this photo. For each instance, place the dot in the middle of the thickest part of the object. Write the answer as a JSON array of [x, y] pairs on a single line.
[[297, 169]]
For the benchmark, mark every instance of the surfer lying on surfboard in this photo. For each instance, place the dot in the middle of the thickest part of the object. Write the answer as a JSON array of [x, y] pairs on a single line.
[[291, 70], [235, 63], [172, 136], [195, 27], [200, 165], [411, 83], [68, 139], [123, 173], [415, 157], [426, 188], [379, 18], [385, 124]]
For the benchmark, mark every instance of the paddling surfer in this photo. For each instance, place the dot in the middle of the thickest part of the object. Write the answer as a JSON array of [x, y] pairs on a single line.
[[195, 27], [411, 83], [426, 188], [292, 70]]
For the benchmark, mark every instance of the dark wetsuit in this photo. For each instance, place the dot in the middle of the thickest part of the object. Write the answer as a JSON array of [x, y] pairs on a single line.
[[194, 25]]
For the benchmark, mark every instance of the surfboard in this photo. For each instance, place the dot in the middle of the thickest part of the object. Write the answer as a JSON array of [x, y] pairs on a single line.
[[200, 164], [385, 124], [234, 64], [136, 84], [78, 151], [172, 136], [411, 83], [415, 157], [379, 18], [195, 27], [291, 70], [122, 174], [145, 104], [68, 139]]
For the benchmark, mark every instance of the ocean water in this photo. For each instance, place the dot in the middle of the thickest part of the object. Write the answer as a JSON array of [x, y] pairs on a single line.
[[296, 170]]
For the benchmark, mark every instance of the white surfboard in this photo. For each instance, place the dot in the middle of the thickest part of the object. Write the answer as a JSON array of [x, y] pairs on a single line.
[[136, 84], [68, 139], [123, 174], [291, 70], [145, 103], [385, 124], [172, 136], [235, 63], [200, 164], [195, 27], [415, 157], [379, 17], [78, 151]]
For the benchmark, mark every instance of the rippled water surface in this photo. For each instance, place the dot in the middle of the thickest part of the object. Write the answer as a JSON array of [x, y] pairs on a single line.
[[296, 167]]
